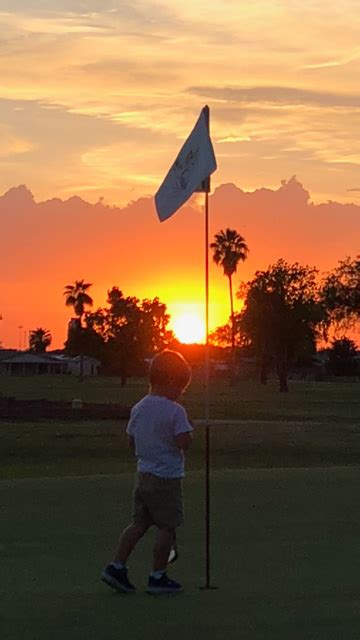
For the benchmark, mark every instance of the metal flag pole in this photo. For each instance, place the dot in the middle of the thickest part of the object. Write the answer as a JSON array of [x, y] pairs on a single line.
[[207, 383], [207, 401]]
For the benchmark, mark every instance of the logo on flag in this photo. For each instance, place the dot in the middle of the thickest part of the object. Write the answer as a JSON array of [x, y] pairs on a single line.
[[190, 172]]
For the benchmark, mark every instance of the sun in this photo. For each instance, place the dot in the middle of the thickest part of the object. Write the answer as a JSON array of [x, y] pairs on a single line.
[[189, 328]]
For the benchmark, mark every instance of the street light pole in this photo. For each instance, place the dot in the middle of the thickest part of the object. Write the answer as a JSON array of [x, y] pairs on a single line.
[[20, 327]]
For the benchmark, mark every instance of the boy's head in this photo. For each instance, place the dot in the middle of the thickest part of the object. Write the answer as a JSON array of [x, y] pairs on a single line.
[[169, 374]]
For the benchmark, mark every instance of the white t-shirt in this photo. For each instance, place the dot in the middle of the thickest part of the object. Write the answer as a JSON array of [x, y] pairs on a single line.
[[154, 423]]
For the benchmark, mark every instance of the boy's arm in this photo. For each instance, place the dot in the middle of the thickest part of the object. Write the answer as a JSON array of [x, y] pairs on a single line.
[[131, 443], [130, 430], [183, 429]]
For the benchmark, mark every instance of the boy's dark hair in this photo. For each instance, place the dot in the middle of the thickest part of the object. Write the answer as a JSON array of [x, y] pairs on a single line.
[[169, 367]]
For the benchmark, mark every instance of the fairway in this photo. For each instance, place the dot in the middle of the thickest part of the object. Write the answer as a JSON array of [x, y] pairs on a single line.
[[316, 424], [285, 556], [337, 401]]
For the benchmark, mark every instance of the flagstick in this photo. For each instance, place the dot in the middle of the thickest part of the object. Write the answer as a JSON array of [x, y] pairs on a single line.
[[177, 187], [207, 401], [207, 392]]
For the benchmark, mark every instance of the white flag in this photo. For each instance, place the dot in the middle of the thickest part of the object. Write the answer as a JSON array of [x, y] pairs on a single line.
[[194, 164]]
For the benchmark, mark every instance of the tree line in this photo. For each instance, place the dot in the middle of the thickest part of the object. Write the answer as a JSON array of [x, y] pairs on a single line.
[[287, 309]]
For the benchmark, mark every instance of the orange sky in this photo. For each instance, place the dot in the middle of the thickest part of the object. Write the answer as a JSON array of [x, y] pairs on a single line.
[[96, 99], [49, 244]]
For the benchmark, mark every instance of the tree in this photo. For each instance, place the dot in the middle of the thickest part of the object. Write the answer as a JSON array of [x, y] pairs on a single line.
[[153, 332], [341, 293], [229, 248], [282, 316], [84, 340], [342, 357], [131, 331], [221, 336], [76, 296], [39, 340]]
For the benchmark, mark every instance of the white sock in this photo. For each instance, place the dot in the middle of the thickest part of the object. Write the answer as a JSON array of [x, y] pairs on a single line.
[[157, 574], [118, 565]]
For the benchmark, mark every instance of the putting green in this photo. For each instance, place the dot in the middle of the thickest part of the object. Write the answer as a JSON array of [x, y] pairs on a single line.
[[285, 556]]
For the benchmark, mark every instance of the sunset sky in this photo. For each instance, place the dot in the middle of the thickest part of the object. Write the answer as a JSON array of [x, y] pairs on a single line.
[[96, 98]]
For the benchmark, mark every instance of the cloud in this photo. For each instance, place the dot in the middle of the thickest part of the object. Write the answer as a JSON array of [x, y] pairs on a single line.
[[40, 15], [53, 145], [133, 9], [277, 95], [12, 144], [108, 80], [47, 244], [133, 71], [232, 139]]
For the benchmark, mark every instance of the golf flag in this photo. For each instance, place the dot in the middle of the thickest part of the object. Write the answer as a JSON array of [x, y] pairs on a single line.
[[190, 171]]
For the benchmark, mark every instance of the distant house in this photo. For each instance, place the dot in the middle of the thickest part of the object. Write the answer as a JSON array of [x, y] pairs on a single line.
[[5, 354], [27, 363], [90, 366]]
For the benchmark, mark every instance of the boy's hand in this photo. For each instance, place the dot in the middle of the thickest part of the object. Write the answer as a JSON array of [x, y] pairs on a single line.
[[183, 440]]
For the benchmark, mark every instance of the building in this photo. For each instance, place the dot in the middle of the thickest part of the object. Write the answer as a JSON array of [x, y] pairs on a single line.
[[28, 363], [88, 367]]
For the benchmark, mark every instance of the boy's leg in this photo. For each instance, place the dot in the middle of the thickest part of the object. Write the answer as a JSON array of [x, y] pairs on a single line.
[[139, 526], [129, 539], [163, 502], [159, 583], [116, 574]]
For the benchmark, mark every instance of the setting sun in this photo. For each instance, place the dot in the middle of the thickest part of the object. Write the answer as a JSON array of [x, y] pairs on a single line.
[[189, 328]]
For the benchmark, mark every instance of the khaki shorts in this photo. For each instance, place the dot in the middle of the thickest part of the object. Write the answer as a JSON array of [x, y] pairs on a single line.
[[158, 501]]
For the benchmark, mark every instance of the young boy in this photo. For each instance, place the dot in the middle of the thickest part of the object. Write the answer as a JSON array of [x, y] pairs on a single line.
[[159, 432]]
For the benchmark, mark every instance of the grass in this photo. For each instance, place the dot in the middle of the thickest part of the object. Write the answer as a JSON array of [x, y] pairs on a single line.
[[86, 448], [284, 504], [285, 562], [65, 388], [316, 424], [247, 400]]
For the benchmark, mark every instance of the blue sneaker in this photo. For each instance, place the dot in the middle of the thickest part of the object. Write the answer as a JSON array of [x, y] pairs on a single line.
[[159, 586], [117, 579]]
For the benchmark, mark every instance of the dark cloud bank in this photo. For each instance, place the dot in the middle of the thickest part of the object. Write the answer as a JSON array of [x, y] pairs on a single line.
[[74, 239]]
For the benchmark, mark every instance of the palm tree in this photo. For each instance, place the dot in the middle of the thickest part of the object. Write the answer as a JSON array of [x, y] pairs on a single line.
[[76, 296], [229, 248], [39, 340]]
